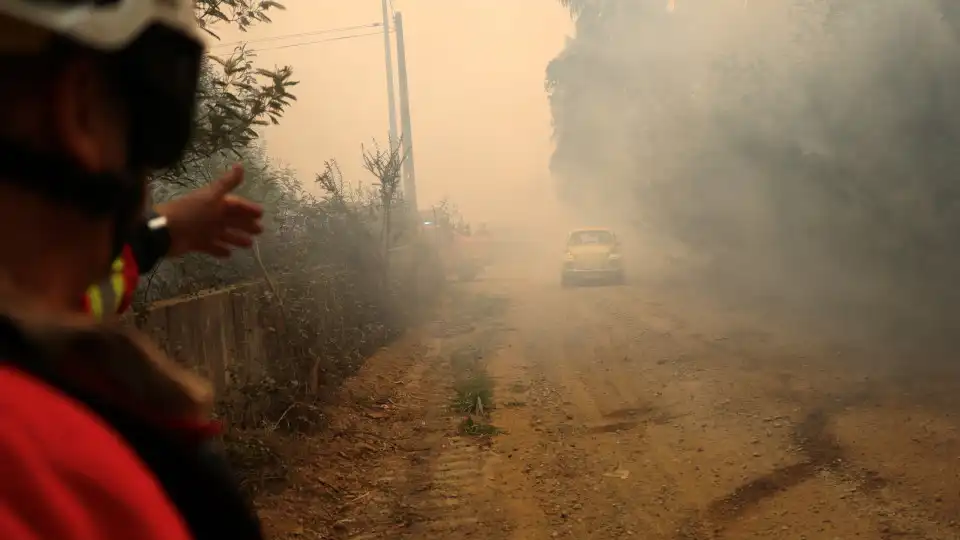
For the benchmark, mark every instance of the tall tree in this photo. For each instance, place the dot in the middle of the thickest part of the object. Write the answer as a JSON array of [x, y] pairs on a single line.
[[814, 138]]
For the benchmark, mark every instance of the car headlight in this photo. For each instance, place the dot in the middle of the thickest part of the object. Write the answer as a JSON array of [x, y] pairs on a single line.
[[568, 257], [614, 256]]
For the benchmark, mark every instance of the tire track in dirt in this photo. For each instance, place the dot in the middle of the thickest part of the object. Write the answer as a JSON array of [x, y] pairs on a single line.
[[822, 454], [624, 419], [442, 488], [631, 406], [383, 514], [587, 392], [623, 422], [579, 426], [825, 462], [810, 438], [436, 486]]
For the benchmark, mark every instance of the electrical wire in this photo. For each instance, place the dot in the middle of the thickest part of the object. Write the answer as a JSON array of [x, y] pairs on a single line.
[[301, 44], [300, 34]]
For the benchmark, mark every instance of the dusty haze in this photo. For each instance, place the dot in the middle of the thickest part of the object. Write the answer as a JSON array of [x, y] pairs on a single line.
[[799, 153], [769, 352], [802, 152], [481, 124]]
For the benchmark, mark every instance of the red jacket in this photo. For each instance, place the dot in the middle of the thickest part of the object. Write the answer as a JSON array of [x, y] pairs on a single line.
[[76, 466], [66, 475]]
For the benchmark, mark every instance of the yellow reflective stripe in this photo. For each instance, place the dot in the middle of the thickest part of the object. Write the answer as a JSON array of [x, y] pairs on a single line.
[[118, 286], [108, 294], [96, 302]]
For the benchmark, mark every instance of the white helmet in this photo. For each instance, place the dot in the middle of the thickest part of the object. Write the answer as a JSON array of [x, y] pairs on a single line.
[[151, 49], [106, 26], [154, 48]]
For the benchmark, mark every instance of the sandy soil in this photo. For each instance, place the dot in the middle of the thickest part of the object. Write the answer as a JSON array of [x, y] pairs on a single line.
[[636, 411]]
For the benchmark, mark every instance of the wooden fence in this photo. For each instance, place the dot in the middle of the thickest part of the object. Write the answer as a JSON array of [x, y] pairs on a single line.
[[239, 334]]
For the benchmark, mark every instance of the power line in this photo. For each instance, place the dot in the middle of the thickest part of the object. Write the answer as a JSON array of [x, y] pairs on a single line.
[[292, 45], [300, 34]]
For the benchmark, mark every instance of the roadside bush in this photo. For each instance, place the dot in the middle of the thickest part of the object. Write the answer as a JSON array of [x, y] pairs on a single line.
[[324, 324], [330, 288], [333, 277], [329, 283]]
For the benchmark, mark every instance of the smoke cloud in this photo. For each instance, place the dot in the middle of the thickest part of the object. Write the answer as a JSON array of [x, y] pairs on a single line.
[[804, 151]]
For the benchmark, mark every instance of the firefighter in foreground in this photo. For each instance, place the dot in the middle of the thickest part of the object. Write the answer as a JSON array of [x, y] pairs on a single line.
[[207, 220], [101, 435]]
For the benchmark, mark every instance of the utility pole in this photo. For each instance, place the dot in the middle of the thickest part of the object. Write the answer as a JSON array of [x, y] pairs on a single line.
[[391, 101], [409, 175]]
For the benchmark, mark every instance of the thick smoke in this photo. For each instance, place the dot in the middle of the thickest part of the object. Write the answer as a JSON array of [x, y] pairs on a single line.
[[809, 149]]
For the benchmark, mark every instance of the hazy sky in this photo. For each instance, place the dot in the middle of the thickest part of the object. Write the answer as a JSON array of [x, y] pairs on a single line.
[[481, 124]]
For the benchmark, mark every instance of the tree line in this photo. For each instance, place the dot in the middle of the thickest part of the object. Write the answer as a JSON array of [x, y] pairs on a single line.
[[809, 143]]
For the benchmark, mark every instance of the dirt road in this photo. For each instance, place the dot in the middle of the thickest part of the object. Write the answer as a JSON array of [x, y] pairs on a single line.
[[632, 411]]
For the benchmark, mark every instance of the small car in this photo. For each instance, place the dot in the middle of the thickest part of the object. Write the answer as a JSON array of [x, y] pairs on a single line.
[[592, 254]]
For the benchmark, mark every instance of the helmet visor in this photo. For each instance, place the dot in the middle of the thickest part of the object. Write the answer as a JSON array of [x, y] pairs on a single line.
[[159, 74]]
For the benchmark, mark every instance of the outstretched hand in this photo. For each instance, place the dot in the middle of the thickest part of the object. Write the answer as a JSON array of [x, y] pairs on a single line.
[[211, 219]]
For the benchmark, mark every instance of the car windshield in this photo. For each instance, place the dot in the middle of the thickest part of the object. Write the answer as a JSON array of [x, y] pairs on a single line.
[[602, 238]]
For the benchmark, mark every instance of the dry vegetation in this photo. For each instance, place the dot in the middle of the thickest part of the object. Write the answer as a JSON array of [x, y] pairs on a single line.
[[331, 320], [333, 278], [339, 277]]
